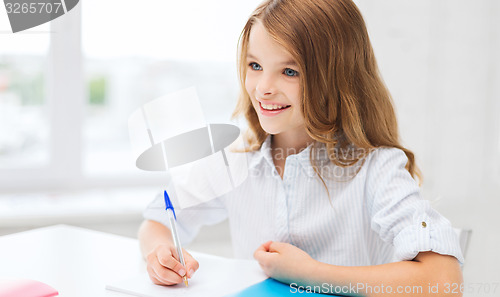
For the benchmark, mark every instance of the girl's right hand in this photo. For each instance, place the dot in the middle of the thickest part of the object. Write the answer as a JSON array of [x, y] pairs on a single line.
[[164, 268]]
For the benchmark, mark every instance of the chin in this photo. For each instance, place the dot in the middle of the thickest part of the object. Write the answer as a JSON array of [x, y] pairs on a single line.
[[270, 129]]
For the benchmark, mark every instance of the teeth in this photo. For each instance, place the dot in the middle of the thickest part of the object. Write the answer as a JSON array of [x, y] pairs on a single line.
[[272, 106]]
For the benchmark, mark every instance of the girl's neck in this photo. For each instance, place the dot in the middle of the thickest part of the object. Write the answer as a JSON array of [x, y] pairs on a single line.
[[291, 143], [285, 144]]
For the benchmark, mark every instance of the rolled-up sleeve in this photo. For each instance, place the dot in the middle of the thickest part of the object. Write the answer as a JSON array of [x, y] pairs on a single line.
[[400, 215]]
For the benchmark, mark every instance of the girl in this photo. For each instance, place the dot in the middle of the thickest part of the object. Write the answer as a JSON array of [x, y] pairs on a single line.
[[331, 196]]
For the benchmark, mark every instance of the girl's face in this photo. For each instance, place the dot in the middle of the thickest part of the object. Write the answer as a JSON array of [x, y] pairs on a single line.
[[273, 83]]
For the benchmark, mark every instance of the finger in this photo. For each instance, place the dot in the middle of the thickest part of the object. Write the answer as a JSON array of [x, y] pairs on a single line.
[[263, 248], [157, 279], [276, 247], [260, 256], [263, 257], [165, 275], [191, 264], [152, 276], [173, 252], [166, 259], [266, 261], [266, 245], [152, 262]]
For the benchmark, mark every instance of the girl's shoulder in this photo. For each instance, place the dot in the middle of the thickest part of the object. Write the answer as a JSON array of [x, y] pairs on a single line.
[[383, 154], [387, 163], [369, 163], [384, 158]]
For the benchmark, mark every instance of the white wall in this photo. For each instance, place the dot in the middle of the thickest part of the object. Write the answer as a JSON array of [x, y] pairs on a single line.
[[440, 60]]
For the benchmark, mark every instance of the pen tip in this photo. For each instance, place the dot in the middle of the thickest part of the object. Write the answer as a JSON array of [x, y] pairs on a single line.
[[185, 281]]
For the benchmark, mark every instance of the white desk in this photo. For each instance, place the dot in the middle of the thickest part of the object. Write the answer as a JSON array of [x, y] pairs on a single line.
[[75, 261], [80, 262]]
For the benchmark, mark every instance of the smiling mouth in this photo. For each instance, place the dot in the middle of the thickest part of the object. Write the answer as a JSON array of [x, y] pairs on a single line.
[[271, 107]]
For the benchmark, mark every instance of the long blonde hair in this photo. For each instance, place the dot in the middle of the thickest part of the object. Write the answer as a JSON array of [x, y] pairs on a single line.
[[344, 101]]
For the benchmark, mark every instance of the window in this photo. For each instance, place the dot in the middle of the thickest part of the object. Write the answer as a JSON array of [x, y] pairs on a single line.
[[65, 98], [170, 45], [23, 99]]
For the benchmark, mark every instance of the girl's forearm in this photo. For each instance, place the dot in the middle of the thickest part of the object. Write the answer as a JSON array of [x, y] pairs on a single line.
[[429, 274], [151, 234]]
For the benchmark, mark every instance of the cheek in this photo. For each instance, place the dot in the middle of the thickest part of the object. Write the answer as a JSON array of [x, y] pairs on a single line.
[[291, 88], [295, 93], [296, 101], [249, 83]]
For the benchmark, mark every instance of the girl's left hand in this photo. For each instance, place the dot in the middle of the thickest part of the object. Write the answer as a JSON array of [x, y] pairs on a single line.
[[285, 262]]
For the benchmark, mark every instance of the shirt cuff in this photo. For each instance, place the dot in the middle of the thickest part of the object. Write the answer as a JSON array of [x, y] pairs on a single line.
[[423, 236]]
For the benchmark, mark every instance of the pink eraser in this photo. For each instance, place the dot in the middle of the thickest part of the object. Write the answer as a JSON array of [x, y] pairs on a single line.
[[26, 288]]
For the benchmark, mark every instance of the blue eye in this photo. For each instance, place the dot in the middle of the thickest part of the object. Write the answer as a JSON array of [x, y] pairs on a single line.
[[290, 72], [255, 66]]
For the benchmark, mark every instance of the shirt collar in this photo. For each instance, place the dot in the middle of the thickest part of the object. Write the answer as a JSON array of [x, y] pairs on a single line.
[[263, 155]]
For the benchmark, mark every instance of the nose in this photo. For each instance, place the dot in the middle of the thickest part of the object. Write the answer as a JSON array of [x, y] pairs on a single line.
[[266, 85]]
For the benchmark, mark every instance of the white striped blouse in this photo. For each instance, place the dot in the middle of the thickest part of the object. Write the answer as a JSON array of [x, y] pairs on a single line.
[[377, 216]]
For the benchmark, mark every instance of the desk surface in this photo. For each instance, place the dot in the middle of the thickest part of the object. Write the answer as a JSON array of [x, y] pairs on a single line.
[[75, 261]]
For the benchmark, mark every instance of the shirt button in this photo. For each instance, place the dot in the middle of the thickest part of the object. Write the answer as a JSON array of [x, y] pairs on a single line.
[[424, 224]]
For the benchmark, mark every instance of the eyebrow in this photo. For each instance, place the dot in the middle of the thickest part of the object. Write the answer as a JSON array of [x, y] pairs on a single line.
[[289, 62]]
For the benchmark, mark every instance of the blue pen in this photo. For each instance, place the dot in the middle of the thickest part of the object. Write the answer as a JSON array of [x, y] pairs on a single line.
[[173, 228]]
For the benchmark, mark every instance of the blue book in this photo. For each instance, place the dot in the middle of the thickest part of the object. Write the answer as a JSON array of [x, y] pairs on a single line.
[[271, 287]]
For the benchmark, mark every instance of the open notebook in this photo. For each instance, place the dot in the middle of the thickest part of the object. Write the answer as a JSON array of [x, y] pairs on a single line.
[[216, 276]]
